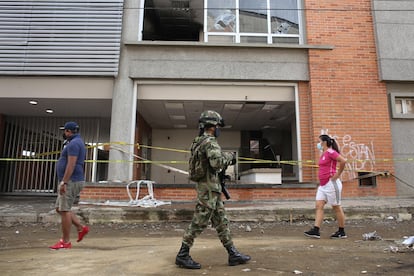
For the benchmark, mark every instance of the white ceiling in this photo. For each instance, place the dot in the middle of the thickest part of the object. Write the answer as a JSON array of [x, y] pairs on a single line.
[[236, 115], [61, 107], [162, 114]]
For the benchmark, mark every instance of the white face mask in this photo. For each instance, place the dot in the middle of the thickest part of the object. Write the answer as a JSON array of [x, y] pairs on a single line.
[[319, 146]]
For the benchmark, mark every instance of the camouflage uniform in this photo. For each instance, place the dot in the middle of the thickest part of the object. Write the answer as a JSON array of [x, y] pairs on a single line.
[[210, 206], [206, 153]]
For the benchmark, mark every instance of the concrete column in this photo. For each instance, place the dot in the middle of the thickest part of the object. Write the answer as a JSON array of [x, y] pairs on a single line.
[[122, 131], [124, 101]]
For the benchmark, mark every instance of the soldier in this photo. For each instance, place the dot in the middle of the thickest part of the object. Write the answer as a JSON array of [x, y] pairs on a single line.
[[209, 205]]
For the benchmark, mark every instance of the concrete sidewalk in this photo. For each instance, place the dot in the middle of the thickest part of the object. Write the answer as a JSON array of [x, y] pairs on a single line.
[[19, 209]]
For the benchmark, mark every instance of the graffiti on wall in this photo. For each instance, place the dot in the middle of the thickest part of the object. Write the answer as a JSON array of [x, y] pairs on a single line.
[[360, 156]]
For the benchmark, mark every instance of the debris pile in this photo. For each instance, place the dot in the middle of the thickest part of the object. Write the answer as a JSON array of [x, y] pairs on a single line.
[[372, 236], [146, 202]]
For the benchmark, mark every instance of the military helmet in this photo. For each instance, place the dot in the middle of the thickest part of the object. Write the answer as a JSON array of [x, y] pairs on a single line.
[[210, 117]]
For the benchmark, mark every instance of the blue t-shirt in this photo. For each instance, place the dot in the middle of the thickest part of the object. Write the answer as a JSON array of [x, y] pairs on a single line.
[[75, 147]]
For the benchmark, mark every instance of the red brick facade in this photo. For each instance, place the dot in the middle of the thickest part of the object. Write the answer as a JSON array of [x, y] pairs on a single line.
[[96, 193], [345, 93]]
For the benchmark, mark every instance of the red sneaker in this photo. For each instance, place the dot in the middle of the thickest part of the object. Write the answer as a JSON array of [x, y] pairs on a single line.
[[61, 245], [81, 234]]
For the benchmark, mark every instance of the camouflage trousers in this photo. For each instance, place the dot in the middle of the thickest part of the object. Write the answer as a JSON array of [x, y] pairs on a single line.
[[205, 212]]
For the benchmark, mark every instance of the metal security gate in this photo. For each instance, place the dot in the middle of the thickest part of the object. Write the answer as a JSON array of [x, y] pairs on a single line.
[[31, 148]]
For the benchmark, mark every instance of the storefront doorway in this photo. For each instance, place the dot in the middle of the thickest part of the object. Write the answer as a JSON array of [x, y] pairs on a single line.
[[261, 124]]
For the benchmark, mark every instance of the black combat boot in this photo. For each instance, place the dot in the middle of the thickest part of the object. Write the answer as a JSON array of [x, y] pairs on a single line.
[[184, 259], [235, 257]]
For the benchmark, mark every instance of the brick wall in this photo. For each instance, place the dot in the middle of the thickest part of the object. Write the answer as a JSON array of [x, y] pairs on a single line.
[[309, 168], [97, 193], [115, 193], [345, 94], [118, 193]]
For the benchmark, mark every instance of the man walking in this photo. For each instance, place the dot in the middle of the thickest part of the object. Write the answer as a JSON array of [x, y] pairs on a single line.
[[207, 155], [71, 179]]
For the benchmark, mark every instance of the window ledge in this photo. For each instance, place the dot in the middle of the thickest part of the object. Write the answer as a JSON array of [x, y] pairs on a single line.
[[243, 45]]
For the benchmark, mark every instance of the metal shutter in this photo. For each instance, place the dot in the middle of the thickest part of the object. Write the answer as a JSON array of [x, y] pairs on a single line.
[[57, 37]]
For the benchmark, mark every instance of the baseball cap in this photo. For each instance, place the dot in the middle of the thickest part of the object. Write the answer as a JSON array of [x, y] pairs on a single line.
[[71, 126]]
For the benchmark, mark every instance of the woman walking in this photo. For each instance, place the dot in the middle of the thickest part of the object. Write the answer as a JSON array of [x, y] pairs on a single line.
[[330, 187]]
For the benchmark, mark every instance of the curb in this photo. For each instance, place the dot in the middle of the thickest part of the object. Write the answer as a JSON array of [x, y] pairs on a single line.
[[95, 215]]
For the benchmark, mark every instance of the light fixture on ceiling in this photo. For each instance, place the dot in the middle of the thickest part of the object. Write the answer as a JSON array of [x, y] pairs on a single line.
[[253, 106], [49, 111], [233, 106], [282, 118], [177, 117], [180, 126], [270, 106], [174, 106], [33, 102]]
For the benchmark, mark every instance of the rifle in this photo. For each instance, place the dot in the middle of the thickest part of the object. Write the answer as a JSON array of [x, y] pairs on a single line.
[[223, 177]]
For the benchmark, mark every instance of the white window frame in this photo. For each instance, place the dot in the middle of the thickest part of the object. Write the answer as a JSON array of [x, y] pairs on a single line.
[[237, 35], [141, 19], [403, 97]]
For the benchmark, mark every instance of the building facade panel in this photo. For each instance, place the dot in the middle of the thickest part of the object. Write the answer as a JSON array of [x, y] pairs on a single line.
[[58, 60], [402, 126], [60, 38], [394, 37], [397, 69], [218, 63]]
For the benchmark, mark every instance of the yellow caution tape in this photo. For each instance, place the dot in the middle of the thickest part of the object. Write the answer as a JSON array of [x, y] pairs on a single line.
[[242, 160]]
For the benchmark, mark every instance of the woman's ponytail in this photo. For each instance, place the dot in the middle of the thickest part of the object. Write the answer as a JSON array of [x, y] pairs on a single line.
[[335, 145], [330, 142]]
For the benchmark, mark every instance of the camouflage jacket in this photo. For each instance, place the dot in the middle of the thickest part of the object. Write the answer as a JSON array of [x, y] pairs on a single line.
[[217, 160]]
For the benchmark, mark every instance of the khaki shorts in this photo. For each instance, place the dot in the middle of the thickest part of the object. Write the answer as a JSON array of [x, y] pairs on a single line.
[[64, 202]]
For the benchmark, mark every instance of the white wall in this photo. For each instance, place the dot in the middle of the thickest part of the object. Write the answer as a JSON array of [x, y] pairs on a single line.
[[181, 140], [56, 87]]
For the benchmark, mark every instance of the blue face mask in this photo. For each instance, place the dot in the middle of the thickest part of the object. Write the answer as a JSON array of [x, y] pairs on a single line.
[[319, 146]]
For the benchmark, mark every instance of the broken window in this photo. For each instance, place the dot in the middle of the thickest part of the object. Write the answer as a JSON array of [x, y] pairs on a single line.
[[172, 20], [222, 21], [254, 148]]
